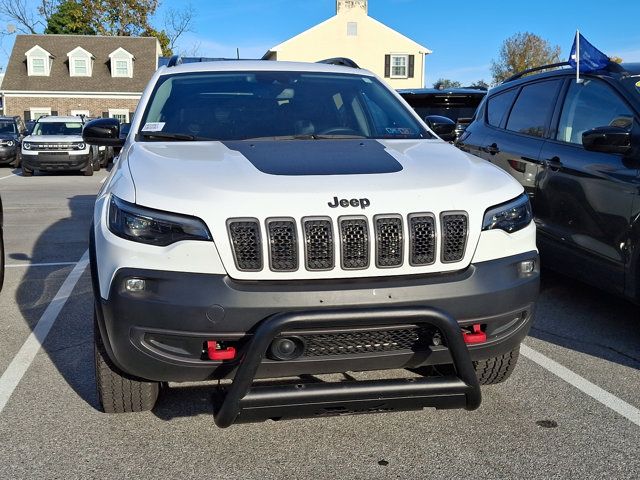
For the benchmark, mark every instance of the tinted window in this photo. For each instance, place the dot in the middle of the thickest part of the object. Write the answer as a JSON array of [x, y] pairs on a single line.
[[498, 106], [58, 128], [533, 108], [446, 105], [588, 105], [7, 127], [249, 105]]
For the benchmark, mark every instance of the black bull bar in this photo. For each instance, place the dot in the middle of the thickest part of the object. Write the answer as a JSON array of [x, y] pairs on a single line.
[[241, 402]]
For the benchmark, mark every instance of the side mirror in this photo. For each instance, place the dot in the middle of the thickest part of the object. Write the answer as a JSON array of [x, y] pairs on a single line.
[[444, 127], [607, 140], [103, 132]]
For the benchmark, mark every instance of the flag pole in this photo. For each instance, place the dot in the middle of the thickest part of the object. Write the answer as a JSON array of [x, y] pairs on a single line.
[[577, 56]]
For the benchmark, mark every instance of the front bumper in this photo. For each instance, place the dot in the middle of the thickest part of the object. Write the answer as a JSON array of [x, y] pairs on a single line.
[[8, 154], [54, 161], [159, 334]]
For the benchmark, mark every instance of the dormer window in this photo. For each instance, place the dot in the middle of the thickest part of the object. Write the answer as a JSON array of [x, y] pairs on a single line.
[[121, 63], [38, 62], [80, 62]]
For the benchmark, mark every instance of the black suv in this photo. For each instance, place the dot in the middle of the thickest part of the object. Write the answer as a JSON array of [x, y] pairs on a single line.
[[12, 131], [575, 146], [435, 106]]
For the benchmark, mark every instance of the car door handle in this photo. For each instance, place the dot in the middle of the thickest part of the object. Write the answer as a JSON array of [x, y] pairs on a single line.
[[492, 149], [553, 163]]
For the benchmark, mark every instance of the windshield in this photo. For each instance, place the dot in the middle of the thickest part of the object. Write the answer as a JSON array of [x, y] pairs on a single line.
[[280, 105], [58, 128], [7, 127], [453, 107]]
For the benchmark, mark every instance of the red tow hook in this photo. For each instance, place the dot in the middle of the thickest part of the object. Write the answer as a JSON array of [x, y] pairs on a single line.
[[477, 336], [215, 353]]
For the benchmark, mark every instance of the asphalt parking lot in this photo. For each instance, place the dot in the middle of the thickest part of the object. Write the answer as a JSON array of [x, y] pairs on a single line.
[[571, 409]]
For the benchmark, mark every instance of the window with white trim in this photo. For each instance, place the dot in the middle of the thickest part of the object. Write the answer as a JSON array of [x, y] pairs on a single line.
[[79, 113], [399, 66], [121, 63], [37, 112], [121, 114], [80, 62], [38, 62]]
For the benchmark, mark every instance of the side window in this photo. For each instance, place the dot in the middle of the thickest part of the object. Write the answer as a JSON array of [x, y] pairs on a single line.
[[533, 108], [498, 106], [588, 105]]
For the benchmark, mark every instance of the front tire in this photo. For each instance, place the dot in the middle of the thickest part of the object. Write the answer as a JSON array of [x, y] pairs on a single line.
[[26, 172], [117, 391], [88, 171], [497, 369]]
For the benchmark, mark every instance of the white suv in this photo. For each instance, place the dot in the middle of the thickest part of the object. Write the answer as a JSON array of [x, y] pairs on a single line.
[[56, 144], [273, 219]]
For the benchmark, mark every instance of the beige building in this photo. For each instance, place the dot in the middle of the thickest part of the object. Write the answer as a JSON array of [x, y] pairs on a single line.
[[352, 33]]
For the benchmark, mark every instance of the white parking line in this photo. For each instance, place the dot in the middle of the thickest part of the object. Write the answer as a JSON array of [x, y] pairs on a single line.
[[609, 400], [21, 362], [29, 265], [12, 175]]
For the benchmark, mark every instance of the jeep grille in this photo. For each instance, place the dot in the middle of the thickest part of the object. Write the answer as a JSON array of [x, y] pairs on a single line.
[[246, 244], [420, 239]]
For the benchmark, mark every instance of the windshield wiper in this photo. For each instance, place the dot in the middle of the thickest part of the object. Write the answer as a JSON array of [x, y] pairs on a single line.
[[171, 136], [311, 136]]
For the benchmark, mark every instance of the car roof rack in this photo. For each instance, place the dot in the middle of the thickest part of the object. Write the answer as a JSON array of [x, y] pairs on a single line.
[[612, 67], [342, 61]]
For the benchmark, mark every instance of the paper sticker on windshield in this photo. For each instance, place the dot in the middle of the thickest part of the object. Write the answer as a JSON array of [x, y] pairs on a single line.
[[400, 131], [153, 127]]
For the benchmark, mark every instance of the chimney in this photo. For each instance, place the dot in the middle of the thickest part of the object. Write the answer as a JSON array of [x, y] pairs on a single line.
[[352, 6]]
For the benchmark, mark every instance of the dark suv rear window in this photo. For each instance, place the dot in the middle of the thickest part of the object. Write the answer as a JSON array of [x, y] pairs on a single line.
[[533, 108], [498, 106]]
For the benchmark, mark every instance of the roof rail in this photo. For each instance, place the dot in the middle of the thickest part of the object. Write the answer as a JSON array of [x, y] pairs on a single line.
[[535, 69], [342, 61], [174, 61]]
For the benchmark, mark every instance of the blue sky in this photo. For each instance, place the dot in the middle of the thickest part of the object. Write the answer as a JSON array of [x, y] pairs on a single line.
[[464, 37]]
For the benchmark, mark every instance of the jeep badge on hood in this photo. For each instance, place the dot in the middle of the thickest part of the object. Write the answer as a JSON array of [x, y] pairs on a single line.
[[354, 202]]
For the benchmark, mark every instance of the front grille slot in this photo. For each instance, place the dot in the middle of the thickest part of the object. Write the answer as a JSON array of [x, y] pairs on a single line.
[[318, 236], [354, 238], [367, 341], [246, 244], [422, 239], [389, 240], [283, 245], [454, 236]]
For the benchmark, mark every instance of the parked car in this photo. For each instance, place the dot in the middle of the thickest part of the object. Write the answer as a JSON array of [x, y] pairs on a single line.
[[576, 149], [1, 245], [277, 219], [56, 144], [457, 104], [29, 127], [12, 130]]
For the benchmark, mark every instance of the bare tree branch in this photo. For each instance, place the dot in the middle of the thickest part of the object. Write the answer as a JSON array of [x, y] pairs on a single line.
[[178, 22]]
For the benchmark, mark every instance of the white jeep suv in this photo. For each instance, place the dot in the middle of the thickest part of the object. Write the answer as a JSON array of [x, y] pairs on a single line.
[[273, 219]]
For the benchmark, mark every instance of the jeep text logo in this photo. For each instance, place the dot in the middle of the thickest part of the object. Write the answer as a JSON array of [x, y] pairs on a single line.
[[354, 202]]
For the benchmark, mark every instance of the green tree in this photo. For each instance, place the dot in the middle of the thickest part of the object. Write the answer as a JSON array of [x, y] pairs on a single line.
[[444, 83], [480, 84], [69, 18], [120, 17], [520, 52]]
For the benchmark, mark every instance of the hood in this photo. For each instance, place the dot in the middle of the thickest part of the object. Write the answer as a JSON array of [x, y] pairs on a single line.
[[216, 181], [53, 138]]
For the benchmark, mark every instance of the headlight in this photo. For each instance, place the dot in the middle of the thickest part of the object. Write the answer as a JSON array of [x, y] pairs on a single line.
[[79, 146], [153, 227], [10, 143], [510, 216], [26, 145]]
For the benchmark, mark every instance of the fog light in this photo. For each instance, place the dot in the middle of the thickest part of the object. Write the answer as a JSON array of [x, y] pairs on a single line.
[[528, 266], [134, 284], [286, 348]]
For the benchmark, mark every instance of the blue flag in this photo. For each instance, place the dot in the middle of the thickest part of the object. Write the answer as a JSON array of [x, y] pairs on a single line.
[[591, 59]]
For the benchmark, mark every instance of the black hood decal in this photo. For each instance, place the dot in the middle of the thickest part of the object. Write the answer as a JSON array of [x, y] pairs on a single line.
[[317, 157]]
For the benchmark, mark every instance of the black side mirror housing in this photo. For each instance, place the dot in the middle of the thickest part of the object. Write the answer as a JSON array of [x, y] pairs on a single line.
[[607, 140], [103, 132], [444, 127]]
